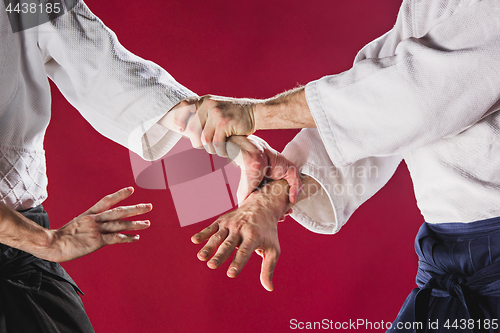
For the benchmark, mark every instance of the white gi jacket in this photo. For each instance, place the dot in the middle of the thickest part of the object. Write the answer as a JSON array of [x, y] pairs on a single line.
[[426, 91], [121, 95]]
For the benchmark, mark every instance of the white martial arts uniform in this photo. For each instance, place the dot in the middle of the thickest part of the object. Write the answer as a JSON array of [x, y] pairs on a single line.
[[426, 91], [121, 95]]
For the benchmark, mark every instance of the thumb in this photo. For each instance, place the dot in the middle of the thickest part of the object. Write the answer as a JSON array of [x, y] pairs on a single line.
[[270, 258], [243, 188]]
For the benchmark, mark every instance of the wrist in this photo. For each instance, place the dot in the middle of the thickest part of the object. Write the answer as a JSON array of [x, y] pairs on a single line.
[[46, 245], [258, 115], [273, 196], [41, 244], [19, 232]]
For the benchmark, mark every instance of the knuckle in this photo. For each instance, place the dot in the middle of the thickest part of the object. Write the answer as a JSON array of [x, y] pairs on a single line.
[[216, 112], [192, 129], [253, 239], [244, 251], [109, 239], [119, 238], [211, 228], [253, 236], [125, 224], [86, 218], [90, 223], [223, 122], [211, 103], [228, 244], [206, 137], [189, 130], [207, 248], [118, 210], [92, 229]]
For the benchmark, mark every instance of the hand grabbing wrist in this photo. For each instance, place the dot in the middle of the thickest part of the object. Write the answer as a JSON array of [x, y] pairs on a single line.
[[177, 117]]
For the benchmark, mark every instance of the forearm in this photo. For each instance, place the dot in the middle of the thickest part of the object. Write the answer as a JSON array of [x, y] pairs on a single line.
[[21, 233], [286, 110], [120, 94]]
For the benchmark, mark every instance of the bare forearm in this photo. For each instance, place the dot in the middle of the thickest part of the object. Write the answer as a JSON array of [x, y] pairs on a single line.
[[21, 233], [286, 110]]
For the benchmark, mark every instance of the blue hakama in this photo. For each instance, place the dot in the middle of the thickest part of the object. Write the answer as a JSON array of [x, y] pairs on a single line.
[[458, 279]]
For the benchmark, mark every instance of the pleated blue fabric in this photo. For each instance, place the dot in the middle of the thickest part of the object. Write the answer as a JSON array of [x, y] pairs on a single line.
[[458, 279]]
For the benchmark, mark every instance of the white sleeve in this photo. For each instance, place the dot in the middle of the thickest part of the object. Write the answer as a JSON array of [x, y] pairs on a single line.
[[121, 95], [345, 188], [431, 87], [403, 92]]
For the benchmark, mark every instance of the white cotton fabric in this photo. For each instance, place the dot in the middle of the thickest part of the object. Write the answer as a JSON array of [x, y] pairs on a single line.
[[121, 95], [427, 91]]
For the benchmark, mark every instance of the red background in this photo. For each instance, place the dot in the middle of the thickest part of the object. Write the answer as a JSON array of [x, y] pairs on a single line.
[[242, 49]]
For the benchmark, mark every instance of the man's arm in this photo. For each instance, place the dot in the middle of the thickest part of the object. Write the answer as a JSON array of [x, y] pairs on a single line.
[[404, 91], [219, 118], [120, 94], [251, 227], [95, 228], [286, 110]]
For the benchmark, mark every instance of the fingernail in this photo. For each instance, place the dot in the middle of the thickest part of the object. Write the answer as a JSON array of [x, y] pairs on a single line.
[[232, 271], [145, 222], [136, 237], [204, 253]]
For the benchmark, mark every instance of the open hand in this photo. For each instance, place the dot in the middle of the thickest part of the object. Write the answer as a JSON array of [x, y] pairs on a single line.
[[97, 227], [251, 227]]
